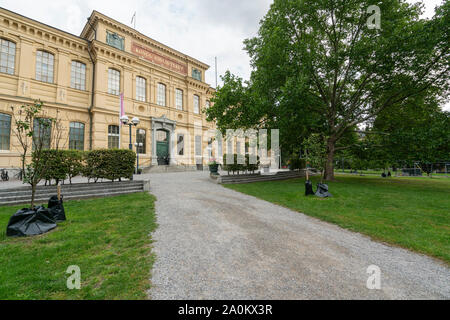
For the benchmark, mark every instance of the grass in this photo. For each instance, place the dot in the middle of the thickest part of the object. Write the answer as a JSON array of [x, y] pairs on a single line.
[[408, 212], [107, 238]]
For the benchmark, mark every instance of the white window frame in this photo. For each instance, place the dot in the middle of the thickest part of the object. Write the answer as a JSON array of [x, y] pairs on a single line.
[[141, 89], [196, 104], [179, 99], [113, 81], [78, 75], [161, 96], [7, 56], [45, 66]]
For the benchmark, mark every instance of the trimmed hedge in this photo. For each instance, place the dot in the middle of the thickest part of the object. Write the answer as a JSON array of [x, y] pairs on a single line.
[[111, 164], [235, 167]]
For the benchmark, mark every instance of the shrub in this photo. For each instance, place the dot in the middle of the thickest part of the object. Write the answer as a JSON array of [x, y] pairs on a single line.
[[235, 167], [55, 165], [296, 163], [111, 164]]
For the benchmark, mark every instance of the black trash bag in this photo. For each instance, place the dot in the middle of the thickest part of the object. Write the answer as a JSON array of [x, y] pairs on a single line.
[[322, 191], [56, 208], [30, 222], [308, 188]]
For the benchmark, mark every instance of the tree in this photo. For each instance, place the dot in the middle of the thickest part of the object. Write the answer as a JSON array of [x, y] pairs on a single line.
[[423, 139], [23, 128], [316, 152], [319, 67]]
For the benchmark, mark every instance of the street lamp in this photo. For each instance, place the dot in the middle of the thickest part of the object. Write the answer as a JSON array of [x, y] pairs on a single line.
[[126, 121], [138, 145]]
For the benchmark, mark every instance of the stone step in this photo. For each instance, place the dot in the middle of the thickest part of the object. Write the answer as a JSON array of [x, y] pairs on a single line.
[[25, 195], [44, 200], [77, 186], [71, 188], [260, 178]]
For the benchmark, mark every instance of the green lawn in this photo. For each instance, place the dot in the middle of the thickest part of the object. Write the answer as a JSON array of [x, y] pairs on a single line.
[[409, 212], [107, 238]]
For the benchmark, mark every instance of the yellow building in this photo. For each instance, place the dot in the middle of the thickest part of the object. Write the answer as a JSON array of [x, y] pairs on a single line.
[[80, 80]]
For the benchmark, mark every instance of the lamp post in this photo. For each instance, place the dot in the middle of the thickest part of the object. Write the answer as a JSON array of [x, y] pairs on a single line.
[[138, 145], [134, 122]]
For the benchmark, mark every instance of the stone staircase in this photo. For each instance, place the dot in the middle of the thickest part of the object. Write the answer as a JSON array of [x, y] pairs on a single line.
[[22, 195], [172, 168], [248, 178]]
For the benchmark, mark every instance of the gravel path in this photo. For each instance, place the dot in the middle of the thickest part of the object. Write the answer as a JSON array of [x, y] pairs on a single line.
[[215, 243]]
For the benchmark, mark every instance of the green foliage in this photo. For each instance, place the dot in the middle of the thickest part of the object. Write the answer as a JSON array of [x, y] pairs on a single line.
[[243, 165], [316, 155], [318, 68], [62, 164], [111, 164]]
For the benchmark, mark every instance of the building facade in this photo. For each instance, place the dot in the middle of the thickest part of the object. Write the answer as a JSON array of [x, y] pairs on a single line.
[[82, 81]]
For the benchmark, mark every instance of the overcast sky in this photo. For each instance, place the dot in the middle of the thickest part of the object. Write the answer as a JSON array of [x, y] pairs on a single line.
[[202, 29]]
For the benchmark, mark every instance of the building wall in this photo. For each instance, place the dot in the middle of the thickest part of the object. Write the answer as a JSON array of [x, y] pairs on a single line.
[[68, 104]]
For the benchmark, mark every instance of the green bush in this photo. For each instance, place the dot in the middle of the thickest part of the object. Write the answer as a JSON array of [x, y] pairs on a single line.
[[55, 165], [61, 164], [235, 167], [111, 164]]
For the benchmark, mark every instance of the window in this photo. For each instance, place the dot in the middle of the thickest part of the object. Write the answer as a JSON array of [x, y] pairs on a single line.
[[196, 104], [42, 131], [76, 136], [140, 138], [161, 98], [180, 144], [207, 104], [7, 56], [44, 66], [113, 137], [198, 146], [78, 76], [141, 84], [196, 74], [113, 81], [179, 99], [5, 131]]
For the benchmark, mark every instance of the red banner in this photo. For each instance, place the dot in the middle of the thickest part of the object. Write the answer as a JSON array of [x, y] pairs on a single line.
[[154, 57]]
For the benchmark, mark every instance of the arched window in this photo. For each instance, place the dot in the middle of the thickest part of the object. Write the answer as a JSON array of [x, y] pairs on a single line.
[[76, 136], [44, 66], [113, 137], [7, 56], [161, 97], [42, 133], [179, 99], [113, 81], [5, 131], [196, 104], [78, 75], [141, 92]]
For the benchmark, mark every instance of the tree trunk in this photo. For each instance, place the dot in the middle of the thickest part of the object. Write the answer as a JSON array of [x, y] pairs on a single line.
[[329, 166], [33, 192]]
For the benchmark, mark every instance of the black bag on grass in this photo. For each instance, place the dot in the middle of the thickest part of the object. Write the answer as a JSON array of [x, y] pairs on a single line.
[[30, 222], [322, 191], [308, 188], [56, 208]]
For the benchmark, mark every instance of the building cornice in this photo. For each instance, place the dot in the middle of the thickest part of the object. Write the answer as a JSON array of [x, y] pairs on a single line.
[[97, 16]]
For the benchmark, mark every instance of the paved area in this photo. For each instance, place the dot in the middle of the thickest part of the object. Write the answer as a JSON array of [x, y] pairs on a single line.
[[215, 243]]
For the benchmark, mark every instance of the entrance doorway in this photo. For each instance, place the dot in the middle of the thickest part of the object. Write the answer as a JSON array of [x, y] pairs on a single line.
[[162, 147]]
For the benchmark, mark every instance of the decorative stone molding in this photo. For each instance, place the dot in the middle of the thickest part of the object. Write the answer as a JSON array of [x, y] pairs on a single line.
[[168, 125]]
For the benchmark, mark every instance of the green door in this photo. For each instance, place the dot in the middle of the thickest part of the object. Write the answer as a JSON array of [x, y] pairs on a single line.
[[162, 147]]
